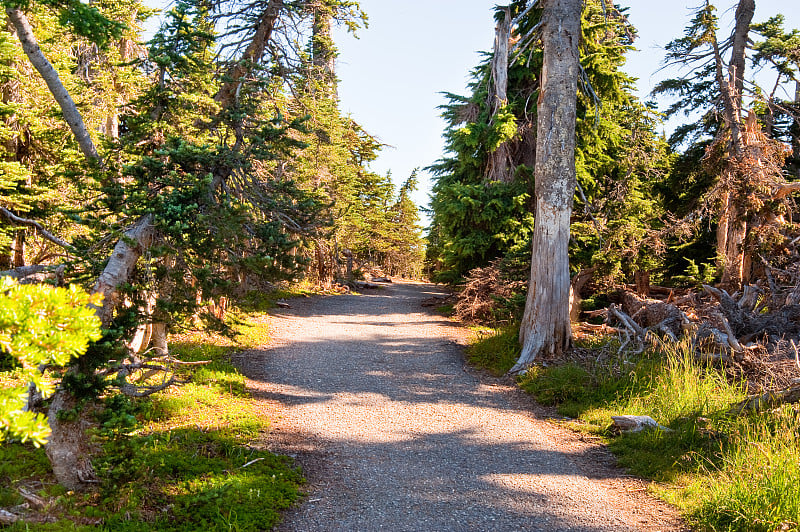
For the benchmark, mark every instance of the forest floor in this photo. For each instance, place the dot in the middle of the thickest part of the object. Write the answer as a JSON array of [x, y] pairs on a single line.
[[372, 396]]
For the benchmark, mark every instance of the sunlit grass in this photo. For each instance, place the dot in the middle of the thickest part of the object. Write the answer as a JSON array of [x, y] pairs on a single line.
[[725, 472]]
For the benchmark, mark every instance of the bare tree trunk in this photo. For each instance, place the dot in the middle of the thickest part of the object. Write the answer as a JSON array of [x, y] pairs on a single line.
[[732, 230], [545, 327], [68, 446], [123, 259], [500, 166], [50, 76], [19, 248]]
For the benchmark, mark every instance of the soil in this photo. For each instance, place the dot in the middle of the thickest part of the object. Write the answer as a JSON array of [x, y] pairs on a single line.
[[372, 396]]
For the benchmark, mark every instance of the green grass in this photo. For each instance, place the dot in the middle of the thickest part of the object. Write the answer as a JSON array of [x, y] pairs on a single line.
[[495, 350], [724, 472], [184, 459]]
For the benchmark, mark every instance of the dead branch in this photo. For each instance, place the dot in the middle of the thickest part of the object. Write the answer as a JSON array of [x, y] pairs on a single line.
[[8, 518], [33, 499], [36, 273], [17, 220], [131, 390]]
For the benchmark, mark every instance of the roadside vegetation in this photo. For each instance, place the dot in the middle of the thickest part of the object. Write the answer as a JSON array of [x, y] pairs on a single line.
[[723, 470], [188, 458]]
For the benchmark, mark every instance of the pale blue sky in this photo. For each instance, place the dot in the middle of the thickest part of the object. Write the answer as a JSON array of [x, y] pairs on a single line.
[[391, 77]]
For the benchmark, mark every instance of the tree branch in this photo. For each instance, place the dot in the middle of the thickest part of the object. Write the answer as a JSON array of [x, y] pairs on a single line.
[[16, 220]]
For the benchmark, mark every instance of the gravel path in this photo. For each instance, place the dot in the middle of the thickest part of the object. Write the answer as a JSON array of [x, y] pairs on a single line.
[[371, 394]]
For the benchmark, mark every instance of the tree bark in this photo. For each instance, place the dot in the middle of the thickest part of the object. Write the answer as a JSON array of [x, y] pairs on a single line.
[[39, 61], [123, 259], [500, 166], [732, 230], [68, 446], [545, 328]]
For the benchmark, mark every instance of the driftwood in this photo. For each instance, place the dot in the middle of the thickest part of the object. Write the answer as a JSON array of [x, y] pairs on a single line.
[[381, 280], [282, 304], [635, 424]]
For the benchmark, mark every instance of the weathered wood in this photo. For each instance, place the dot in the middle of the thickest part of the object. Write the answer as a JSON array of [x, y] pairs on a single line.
[[577, 283], [8, 518], [68, 108], [120, 265], [252, 55], [68, 447], [545, 327], [635, 424], [655, 313]]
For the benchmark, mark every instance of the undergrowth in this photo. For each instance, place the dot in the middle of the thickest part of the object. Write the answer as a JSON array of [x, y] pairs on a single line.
[[723, 471], [184, 459]]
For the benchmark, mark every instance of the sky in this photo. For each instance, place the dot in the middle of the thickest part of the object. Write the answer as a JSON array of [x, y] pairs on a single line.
[[393, 74]]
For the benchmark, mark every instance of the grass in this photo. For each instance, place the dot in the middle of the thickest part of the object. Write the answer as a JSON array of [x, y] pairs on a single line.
[[724, 472], [184, 459]]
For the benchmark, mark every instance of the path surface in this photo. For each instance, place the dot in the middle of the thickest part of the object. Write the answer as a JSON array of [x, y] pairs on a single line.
[[371, 394]]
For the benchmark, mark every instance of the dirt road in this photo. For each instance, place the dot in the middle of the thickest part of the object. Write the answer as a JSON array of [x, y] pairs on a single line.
[[372, 396]]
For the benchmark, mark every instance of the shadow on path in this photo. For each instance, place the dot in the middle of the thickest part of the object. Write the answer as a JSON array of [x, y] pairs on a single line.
[[396, 434]]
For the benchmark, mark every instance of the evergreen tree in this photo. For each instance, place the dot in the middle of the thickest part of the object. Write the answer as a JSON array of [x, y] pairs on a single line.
[[618, 159]]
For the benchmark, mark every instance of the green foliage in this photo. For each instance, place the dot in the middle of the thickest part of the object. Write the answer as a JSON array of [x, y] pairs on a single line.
[[619, 159], [39, 325], [181, 460]]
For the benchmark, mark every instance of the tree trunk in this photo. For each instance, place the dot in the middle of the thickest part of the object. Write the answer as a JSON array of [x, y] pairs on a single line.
[[123, 259], [795, 131], [19, 248], [732, 229], [322, 49], [500, 166], [50, 76], [68, 447], [252, 55], [642, 280], [545, 327]]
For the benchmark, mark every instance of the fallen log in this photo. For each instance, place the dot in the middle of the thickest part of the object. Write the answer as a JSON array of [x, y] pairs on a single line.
[[765, 401], [8, 518]]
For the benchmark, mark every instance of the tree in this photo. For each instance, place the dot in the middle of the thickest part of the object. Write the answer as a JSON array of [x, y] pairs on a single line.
[[39, 325], [743, 183], [545, 327]]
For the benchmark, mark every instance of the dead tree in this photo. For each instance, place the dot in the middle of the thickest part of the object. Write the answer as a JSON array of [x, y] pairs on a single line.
[[545, 327]]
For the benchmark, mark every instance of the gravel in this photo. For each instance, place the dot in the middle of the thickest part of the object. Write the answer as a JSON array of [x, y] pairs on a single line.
[[371, 395]]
